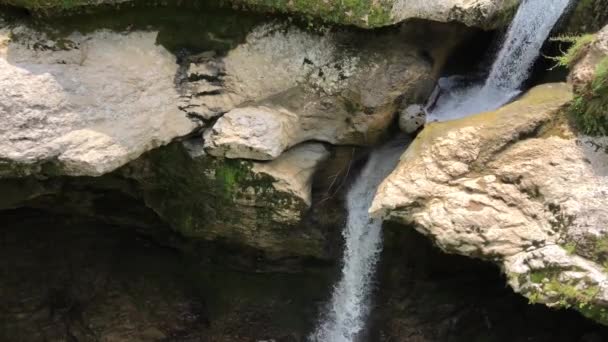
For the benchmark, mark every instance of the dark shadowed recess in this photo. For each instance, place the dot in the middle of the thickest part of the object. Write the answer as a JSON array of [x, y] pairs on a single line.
[[425, 295], [66, 278]]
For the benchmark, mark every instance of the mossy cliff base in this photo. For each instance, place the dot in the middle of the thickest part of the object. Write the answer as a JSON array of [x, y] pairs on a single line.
[[486, 14], [258, 206], [241, 202], [589, 75]]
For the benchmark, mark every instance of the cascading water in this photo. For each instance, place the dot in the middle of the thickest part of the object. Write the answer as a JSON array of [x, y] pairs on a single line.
[[349, 306], [348, 309], [530, 28]]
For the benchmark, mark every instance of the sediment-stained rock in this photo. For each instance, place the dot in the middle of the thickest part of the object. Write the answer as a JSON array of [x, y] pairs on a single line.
[[517, 187]]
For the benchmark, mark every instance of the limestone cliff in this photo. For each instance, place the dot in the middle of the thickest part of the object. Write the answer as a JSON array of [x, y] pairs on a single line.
[[517, 187]]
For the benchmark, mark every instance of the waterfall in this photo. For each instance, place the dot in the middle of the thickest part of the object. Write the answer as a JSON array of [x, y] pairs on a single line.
[[526, 35], [349, 306]]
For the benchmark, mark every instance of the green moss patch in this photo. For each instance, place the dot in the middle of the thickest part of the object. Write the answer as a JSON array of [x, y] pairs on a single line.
[[578, 44], [588, 16], [216, 199], [549, 288], [364, 13], [590, 107]]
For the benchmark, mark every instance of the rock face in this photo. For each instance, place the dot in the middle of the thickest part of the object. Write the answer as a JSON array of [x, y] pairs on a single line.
[[362, 13], [584, 70], [258, 205], [588, 16], [517, 187], [589, 75], [86, 105], [291, 86], [481, 13], [112, 105]]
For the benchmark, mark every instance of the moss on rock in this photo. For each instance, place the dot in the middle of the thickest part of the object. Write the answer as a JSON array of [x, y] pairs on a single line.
[[588, 16], [590, 107], [547, 287], [365, 13], [223, 199]]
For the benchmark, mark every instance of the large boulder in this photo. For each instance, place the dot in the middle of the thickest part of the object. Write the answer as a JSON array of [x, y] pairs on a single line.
[[363, 13], [85, 105], [284, 86], [260, 205], [481, 13], [515, 186]]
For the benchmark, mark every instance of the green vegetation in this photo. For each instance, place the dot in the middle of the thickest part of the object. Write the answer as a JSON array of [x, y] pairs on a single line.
[[363, 13], [588, 16], [574, 52], [590, 107], [570, 247], [46, 4], [566, 294], [580, 299], [600, 249]]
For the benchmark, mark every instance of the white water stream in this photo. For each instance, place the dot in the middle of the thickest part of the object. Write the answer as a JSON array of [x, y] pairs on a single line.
[[521, 48], [347, 312], [348, 309]]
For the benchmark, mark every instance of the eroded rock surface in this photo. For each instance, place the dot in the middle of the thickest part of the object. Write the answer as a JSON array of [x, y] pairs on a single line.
[[86, 108], [517, 187], [363, 13], [106, 104], [482, 13], [291, 86], [255, 204], [584, 71]]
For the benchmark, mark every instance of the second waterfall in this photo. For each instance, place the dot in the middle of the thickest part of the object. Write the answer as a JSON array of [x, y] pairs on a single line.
[[346, 314]]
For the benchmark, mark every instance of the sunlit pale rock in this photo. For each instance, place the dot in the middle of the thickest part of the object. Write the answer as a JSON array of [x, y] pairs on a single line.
[[514, 186], [87, 109]]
